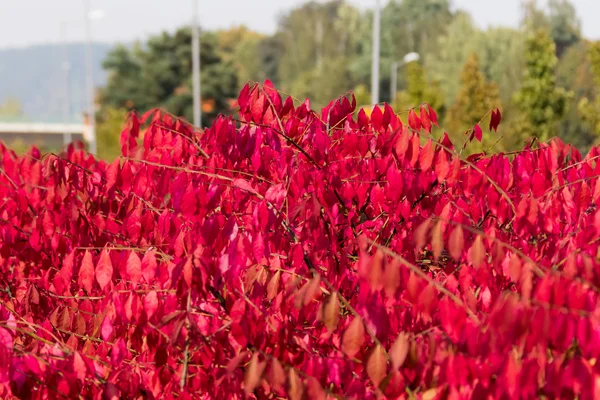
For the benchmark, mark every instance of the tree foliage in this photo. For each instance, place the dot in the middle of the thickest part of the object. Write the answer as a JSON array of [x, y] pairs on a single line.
[[110, 123], [160, 74], [419, 90], [541, 103], [589, 106], [475, 98]]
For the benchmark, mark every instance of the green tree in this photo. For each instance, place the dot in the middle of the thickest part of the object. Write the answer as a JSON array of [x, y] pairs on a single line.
[[499, 51], [565, 26], [362, 96], [574, 73], [269, 51], [589, 106], [415, 25], [561, 21], [315, 38], [160, 75], [239, 47], [476, 97], [419, 90], [534, 18], [109, 126], [541, 103]]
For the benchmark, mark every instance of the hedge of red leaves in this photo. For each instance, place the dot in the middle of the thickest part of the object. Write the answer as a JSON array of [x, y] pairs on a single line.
[[289, 253]]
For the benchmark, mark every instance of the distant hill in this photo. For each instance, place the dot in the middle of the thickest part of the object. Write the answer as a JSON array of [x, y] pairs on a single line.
[[34, 76]]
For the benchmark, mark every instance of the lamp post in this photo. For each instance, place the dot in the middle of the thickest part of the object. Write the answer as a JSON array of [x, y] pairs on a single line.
[[196, 65], [410, 57], [66, 66], [375, 56], [88, 17]]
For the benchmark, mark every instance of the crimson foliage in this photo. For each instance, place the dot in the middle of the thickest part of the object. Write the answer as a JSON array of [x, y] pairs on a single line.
[[299, 254]]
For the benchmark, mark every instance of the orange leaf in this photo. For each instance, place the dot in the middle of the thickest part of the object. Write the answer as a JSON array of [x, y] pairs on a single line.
[[296, 387], [273, 286], [477, 252], [331, 312], [456, 243], [188, 272], [234, 362], [253, 374], [437, 240], [376, 270], [307, 292], [399, 350], [354, 338], [377, 365], [421, 234], [276, 375], [514, 268], [391, 277], [315, 390]]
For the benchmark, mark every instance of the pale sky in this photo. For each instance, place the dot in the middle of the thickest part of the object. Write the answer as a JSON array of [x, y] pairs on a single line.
[[26, 22]]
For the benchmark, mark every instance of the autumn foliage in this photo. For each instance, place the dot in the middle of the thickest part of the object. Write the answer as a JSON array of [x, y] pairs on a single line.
[[300, 254]]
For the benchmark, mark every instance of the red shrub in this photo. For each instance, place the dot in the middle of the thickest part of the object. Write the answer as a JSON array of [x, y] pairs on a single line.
[[299, 254]]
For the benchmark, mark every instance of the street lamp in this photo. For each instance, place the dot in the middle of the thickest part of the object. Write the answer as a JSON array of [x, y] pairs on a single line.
[[66, 66], [375, 56], [196, 65], [410, 57], [90, 15]]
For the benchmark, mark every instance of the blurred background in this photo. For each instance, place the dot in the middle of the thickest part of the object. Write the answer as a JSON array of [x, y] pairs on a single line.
[[538, 61]]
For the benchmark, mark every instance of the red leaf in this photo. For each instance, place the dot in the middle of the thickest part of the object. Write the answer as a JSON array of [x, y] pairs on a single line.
[[150, 304], [149, 266], [79, 366], [86, 272], [495, 119], [413, 120], [363, 119], [425, 122], [353, 338], [478, 133], [257, 107], [104, 269], [432, 116], [498, 119], [402, 144], [426, 156], [134, 268], [244, 185], [377, 118], [442, 167]]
